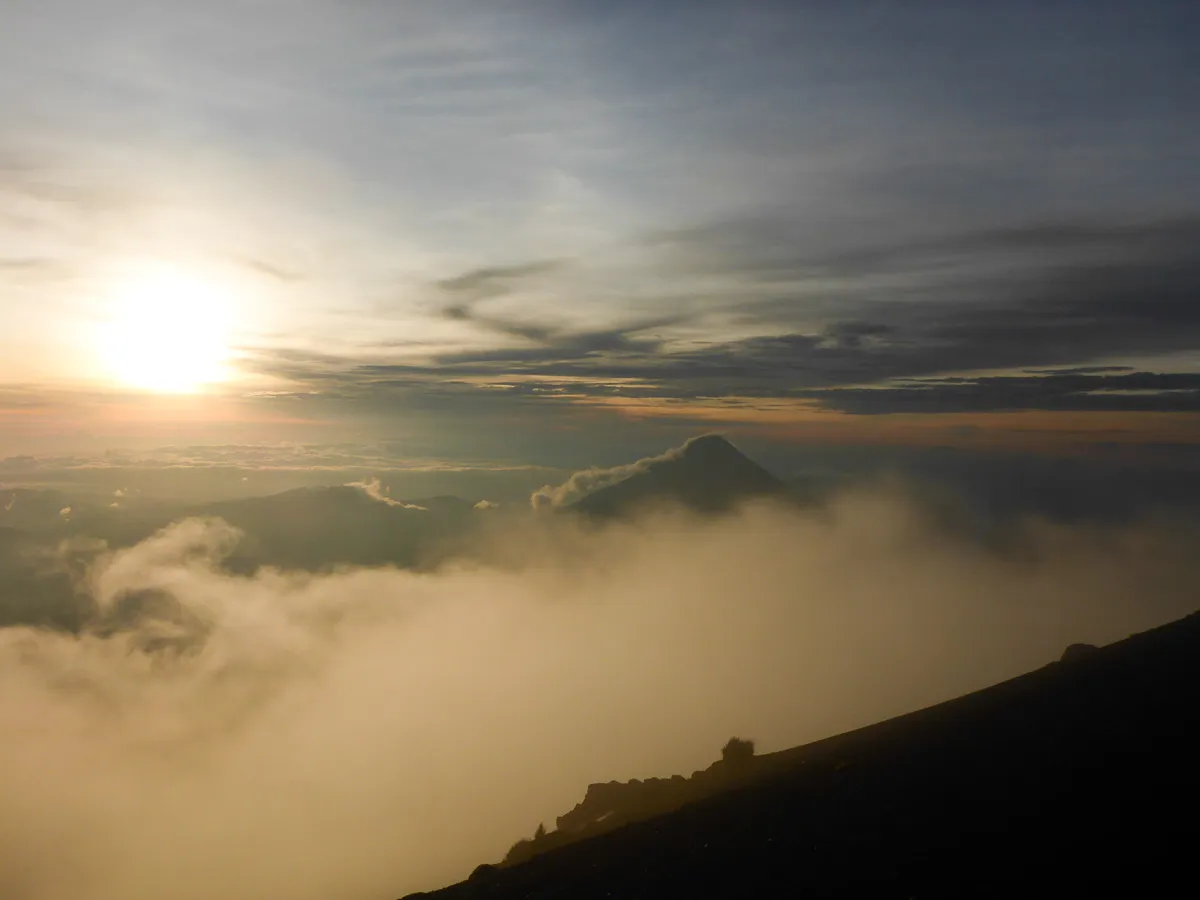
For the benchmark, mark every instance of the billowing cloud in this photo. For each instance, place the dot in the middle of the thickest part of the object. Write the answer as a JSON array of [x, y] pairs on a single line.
[[371, 732]]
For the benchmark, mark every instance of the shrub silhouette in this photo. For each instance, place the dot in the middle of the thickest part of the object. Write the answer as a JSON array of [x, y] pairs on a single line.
[[519, 852], [527, 848], [737, 753]]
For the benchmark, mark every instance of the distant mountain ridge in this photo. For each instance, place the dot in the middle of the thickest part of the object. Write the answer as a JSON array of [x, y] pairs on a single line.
[[707, 474], [317, 528]]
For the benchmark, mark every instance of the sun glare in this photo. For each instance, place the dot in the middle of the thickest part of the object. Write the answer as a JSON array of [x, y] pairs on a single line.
[[167, 332]]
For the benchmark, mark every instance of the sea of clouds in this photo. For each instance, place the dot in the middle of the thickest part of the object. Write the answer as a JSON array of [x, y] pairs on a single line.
[[370, 732]]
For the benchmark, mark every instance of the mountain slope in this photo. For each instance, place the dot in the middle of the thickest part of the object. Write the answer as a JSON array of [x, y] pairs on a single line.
[[707, 474], [311, 528], [314, 528], [1067, 781]]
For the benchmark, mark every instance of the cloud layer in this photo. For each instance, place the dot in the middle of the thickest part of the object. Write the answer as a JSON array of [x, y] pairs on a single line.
[[1037, 316], [371, 732]]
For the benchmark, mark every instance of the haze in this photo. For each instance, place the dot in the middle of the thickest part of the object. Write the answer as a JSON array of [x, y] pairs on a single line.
[[353, 357]]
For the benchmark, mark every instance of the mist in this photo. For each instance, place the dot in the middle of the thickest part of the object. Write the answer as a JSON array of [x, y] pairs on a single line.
[[371, 732]]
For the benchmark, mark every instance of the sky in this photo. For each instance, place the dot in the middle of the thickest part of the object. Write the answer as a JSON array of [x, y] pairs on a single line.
[[570, 232]]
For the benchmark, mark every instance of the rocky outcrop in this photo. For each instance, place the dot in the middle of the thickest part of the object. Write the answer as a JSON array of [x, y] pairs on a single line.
[[618, 801], [609, 805]]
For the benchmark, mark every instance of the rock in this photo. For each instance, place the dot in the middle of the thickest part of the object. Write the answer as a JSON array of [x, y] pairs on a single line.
[[1076, 652]]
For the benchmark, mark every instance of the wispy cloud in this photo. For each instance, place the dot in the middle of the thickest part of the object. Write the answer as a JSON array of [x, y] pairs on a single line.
[[374, 489], [541, 205], [1069, 301], [494, 281], [586, 481]]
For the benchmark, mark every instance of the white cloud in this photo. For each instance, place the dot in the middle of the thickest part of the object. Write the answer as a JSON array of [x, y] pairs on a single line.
[[374, 489], [587, 481]]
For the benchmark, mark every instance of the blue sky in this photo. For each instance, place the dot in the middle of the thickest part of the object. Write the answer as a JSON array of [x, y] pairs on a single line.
[[866, 218]]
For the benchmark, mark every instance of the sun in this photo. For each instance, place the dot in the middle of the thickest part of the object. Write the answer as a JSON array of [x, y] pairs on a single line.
[[167, 331]]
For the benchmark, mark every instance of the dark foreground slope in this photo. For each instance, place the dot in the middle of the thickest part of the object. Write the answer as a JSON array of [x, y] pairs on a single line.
[[1064, 782]]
